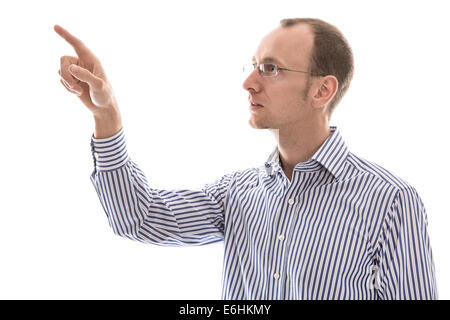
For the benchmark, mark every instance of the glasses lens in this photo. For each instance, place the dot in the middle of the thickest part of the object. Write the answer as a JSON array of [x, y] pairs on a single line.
[[266, 69], [248, 67], [269, 69]]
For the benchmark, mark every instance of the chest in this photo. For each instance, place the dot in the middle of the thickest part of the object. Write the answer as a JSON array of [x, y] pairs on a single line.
[[300, 238]]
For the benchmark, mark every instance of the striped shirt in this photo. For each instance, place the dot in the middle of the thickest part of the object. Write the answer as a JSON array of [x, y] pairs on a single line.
[[342, 228]]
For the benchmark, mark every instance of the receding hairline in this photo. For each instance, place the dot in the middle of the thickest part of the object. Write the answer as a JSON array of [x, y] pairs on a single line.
[[272, 59]]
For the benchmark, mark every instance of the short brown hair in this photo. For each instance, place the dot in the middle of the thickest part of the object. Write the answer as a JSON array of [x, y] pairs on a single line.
[[331, 55]]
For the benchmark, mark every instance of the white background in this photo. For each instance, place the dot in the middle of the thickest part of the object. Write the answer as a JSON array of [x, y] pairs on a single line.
[[175, 68]]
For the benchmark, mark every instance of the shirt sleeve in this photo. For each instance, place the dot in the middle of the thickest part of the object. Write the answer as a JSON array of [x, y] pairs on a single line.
[[406, 267], [162, 217]]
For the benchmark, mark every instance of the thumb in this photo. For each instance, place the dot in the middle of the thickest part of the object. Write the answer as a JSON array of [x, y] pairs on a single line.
[[85, 75]]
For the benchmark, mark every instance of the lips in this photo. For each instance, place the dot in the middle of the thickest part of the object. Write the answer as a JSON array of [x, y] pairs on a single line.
[[254, 103]]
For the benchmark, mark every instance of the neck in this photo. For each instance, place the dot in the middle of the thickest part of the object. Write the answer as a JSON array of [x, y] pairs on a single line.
[[299, 143]]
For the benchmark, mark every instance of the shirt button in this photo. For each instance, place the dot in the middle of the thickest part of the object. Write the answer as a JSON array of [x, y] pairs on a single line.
[[291, 201], [276, 276], [281, 237], [96, 155]]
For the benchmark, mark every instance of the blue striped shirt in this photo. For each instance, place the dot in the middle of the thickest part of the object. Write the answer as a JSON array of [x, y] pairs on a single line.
[[342, 228]]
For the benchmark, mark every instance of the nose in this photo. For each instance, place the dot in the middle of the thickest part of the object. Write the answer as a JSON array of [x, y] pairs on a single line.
[[252, 82]]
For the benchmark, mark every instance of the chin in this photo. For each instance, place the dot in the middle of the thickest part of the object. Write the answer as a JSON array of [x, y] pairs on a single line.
[[257, 125]]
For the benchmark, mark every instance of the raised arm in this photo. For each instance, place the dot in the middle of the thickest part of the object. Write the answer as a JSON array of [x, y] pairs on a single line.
[[134, 210], [165, 217]]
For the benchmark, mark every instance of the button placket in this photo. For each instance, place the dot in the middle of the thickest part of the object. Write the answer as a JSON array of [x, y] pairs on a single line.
[[282, 240], [94, 154], [282, 248], [279, 250]]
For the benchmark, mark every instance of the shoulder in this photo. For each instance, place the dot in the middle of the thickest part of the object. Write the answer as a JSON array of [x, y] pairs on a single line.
[[380, 175]]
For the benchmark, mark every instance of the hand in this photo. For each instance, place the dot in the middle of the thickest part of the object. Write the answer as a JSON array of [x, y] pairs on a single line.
[[84, 76]]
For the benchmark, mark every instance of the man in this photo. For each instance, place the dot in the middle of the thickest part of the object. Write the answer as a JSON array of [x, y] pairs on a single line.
[[314, 222]]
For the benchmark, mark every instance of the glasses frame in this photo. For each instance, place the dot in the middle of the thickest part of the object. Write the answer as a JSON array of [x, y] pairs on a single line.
[[281, 68]]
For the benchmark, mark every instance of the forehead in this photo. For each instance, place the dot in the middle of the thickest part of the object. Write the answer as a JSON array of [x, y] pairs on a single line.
[[289, 45]]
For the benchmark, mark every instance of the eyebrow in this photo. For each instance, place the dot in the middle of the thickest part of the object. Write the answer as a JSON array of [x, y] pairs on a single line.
[[268, 59]]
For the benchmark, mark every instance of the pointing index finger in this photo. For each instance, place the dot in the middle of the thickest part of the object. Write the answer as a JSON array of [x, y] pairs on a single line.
[[76, 43]]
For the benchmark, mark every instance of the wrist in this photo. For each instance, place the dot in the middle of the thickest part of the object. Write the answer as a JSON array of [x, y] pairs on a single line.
[[107, 124]]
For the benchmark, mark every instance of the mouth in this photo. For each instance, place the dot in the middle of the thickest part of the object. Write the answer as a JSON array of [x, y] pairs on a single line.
[[254, 107], [253, 103]]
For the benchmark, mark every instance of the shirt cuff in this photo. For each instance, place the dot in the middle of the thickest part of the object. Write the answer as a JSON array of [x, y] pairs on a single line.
[[109, 153]]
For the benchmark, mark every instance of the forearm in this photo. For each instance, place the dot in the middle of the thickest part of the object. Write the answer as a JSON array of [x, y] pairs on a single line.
[[178, 217]]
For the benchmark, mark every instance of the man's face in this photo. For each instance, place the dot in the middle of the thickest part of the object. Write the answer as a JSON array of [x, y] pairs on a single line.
[[285, 97]]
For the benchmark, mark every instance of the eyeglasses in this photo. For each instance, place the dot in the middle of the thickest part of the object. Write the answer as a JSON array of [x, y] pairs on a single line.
[[271, 69]]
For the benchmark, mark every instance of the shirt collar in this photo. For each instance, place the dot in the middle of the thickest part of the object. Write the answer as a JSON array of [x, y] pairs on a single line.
[[331, 155]]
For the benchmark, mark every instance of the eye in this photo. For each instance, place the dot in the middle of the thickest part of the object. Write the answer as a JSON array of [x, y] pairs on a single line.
[[269, 68]]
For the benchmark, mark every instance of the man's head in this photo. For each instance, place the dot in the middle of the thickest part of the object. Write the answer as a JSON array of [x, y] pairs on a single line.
[[297, 98]]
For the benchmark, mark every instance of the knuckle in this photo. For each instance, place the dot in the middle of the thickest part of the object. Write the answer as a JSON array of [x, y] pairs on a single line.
[[64, 58], [101, 84]]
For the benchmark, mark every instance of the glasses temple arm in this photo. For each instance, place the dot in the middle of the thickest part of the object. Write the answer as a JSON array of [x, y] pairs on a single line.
[[299, 71]]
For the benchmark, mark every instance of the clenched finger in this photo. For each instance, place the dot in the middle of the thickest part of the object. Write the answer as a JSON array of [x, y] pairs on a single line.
[[70, 89], [66, 61]]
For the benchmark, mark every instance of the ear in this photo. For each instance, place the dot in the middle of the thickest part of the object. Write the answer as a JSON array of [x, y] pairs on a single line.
[[325, 90]]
